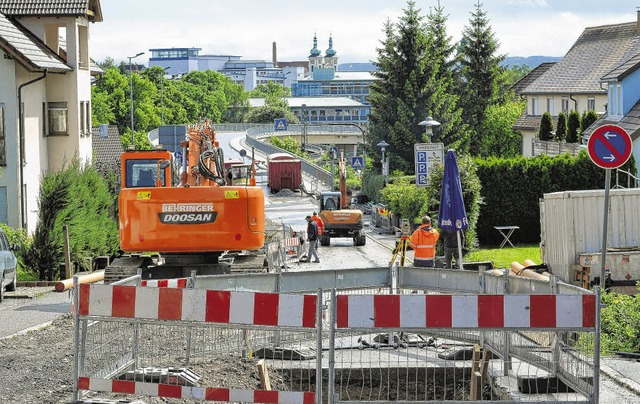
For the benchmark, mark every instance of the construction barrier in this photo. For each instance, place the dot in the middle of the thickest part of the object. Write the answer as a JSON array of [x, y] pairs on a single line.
[[381, 334]]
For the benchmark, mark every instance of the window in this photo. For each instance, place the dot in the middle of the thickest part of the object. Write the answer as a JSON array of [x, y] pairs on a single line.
[[82, 121], [550, 105], [44, 119], [83, 47], [565, 105], [143, 173], [58, 116], [591, 104], [3, 150], [534, 106], [87, 106]]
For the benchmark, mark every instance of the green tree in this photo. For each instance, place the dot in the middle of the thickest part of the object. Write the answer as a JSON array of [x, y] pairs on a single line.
[[274, 108], [270, 89], [500, 139], [573, 126], [588, 118], [561, 128], [453, 132], [515, 73], [546, 127], [412, 84], [481, 75]]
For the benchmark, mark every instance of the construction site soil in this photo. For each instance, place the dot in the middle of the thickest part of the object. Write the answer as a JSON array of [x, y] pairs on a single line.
[[37, 367]]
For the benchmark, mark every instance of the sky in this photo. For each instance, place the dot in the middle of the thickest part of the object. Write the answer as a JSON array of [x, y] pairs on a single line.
[[248, 28]]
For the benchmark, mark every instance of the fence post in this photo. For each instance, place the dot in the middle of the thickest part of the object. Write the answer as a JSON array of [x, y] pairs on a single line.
[[319, 305], [506, 335], [596, 347], [136, 332], [76, 338], [331, 388], [190, 328]]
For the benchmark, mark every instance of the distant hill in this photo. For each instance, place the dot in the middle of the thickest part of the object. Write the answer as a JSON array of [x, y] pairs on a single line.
[[531, 61]]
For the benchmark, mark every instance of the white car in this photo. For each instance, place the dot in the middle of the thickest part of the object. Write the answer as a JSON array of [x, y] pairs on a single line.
[[8, 265]]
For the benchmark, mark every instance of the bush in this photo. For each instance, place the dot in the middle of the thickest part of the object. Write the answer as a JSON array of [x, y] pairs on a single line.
[[546, 127], [573, 126], [561, 129], [588, 118], [512, 188], [78, 197], [372, 184], [620, 323]]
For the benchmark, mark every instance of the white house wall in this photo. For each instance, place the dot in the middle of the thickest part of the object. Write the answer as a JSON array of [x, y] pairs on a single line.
[[35, 148], [9, 173]]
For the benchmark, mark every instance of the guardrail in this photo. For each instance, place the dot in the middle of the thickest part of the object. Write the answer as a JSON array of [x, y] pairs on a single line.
[[253, 137]]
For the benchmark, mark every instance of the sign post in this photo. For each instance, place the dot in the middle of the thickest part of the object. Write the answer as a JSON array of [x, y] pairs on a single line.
[[426, 156], [609, 147]]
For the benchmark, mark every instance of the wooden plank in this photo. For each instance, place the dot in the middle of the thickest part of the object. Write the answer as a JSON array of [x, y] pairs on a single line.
[[265, 384], [475, 380]]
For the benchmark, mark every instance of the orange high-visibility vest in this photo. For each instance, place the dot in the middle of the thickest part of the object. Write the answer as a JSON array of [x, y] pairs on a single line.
[[423, 242], [320, 224]]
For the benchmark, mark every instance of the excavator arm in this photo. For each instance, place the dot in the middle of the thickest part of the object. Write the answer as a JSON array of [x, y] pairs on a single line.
[[342, 174]]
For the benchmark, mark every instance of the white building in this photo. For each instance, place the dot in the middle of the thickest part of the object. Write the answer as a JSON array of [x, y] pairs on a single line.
[[45, 97], [248, 73]]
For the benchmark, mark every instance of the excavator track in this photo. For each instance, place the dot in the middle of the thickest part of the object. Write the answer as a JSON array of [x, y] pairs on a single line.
[[122, 268]]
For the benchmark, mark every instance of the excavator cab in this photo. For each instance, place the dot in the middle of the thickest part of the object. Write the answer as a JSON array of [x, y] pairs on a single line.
[[142, 169]]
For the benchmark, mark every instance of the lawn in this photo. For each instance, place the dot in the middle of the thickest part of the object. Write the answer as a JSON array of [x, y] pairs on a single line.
[[503, 257]]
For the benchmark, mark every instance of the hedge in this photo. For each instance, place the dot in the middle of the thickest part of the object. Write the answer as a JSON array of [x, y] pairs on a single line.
[[512, 189]]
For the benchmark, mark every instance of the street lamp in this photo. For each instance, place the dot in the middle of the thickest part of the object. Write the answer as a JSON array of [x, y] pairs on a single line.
[[429, 123], [383, 146], [164, 71], [131, 73]]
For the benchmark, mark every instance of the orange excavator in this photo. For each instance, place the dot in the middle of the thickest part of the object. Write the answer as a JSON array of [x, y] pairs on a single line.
[[338, 220], [169, 230]]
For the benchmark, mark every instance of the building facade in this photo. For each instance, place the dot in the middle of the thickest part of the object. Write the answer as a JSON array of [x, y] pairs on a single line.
[[326, 80], [45, 97], [574, 83], [248, 73]]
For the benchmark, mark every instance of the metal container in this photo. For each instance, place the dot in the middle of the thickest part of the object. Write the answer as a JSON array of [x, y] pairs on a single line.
[[571, 224], [285, 172]]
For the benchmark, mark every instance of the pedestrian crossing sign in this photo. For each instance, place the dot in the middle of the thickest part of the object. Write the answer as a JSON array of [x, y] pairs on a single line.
[[280, 124], [357, 162]]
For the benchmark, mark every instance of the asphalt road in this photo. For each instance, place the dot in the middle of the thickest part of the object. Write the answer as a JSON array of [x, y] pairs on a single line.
[[28, 308]]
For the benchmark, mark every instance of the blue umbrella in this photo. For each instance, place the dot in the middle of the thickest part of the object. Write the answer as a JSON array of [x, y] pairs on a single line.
[[452, 214]]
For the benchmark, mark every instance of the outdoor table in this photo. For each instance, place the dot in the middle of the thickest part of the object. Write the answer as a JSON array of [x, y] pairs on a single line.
[[506, 232]]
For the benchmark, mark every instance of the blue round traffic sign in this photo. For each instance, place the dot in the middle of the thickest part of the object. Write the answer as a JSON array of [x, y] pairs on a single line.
[[609, 146]]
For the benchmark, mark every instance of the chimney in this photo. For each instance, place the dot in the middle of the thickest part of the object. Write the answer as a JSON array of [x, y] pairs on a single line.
[[638, 20], [274, 52]]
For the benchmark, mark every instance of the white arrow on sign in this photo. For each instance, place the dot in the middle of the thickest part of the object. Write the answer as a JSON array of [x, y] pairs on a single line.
[[610, 157], [609, 135]]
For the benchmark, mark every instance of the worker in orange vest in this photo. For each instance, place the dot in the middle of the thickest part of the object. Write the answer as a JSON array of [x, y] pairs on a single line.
[[320, 224], [423, 242]]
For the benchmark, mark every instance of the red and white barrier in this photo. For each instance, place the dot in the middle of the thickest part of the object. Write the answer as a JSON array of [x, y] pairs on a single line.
[[180, 283], [200, 305], [466, 311], [195, 393]]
